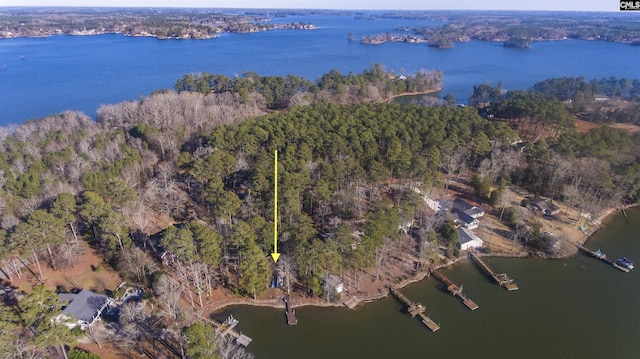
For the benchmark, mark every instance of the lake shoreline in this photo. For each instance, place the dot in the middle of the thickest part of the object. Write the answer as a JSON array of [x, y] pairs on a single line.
[[299, 302], [439, 89], [603, 217]]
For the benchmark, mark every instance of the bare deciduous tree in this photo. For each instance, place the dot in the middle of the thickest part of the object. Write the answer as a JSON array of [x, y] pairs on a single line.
[[129, 313], [169, 291], [452, 161], [9, 221], [136, 265], [227, 349]]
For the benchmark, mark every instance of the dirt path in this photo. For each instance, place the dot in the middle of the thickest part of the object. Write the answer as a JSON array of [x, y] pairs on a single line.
[[97, 279]]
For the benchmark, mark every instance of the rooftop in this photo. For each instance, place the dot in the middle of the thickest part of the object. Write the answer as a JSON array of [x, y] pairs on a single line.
[[83, 305], [462, 205], [465, 235]]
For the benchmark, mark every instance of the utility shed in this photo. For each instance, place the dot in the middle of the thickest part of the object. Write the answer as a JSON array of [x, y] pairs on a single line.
[[546, 207], [334, 283]]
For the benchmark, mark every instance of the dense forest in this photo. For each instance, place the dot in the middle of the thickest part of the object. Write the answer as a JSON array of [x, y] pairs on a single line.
[[350, 169]]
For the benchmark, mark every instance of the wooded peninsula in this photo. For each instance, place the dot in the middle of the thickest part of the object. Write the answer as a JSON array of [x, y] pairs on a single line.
[[174, 194]]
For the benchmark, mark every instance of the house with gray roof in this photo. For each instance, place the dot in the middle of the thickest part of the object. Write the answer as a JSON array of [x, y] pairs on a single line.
[[84, 308], [546, 207], [464, 220], [467, 208], [467, 239]]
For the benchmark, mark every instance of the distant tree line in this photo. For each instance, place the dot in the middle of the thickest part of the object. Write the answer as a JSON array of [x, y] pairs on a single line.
[[520, 28], [607, 100], [280, 92], [575, 87], [160, 23]]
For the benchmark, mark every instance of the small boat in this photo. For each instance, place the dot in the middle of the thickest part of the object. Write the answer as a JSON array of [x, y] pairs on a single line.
[[625, 262], [600, 255]]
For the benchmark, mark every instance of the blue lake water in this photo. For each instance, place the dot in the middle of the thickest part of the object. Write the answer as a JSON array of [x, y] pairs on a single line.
[[42, 76]]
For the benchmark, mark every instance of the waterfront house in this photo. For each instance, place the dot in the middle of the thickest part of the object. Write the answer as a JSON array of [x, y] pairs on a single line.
[[464, 220], [84, 308], [467, 239], [461, 205]]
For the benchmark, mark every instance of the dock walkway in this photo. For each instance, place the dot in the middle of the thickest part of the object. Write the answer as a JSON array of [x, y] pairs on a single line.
[[501, 278], [603, 257], [227, 327], [455, 290], [415, 309], [291, 313]]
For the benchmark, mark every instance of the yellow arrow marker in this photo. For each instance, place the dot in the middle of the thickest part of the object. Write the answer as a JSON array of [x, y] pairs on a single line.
[[275, 253]]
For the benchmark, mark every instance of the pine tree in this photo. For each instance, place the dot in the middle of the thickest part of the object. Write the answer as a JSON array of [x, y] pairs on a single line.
[[201, 341]]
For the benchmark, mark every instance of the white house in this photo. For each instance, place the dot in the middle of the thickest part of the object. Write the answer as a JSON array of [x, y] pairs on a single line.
[[461, 205], [464, 220], [334, 283], [468, 239]]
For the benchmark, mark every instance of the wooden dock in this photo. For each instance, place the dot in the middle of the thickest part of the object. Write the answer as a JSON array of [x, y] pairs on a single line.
[[352, 302], [415, 309], [227, 327], [455, 290], [291, 313], [501, 278], [603, 257]]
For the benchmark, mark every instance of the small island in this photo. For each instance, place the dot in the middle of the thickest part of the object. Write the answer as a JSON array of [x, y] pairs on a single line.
[[388, 37], [518, 43]]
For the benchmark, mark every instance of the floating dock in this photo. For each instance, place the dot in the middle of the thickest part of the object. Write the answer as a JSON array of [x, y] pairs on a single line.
[[291, 313], [455, 290], [501, 278], [626, 270], [603, 257], [415, 309]]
